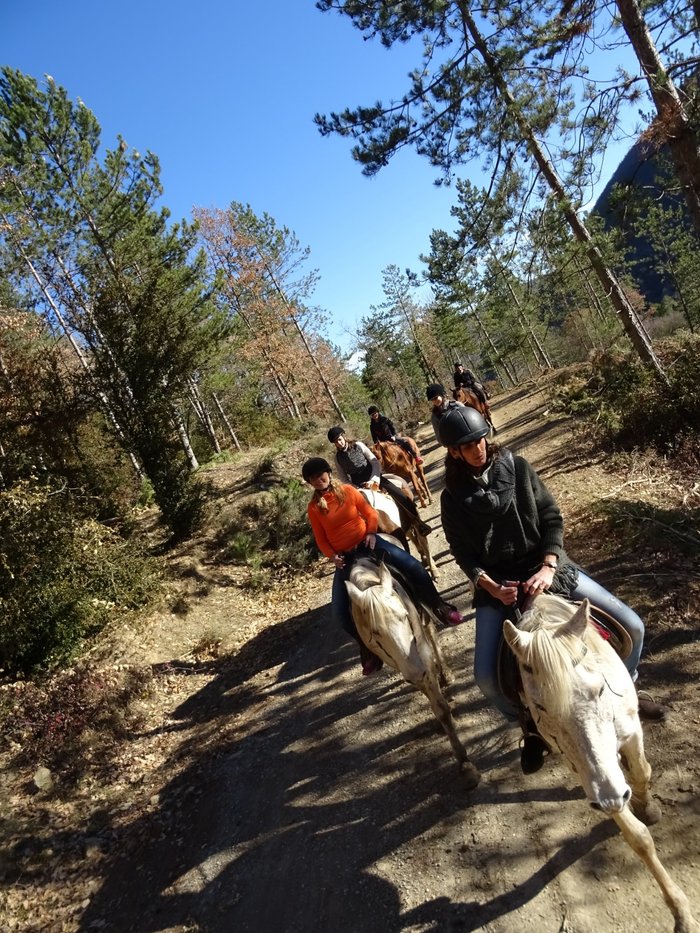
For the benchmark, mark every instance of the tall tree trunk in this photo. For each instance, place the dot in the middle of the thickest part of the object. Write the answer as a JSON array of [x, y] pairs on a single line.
[[633, 326], [104, 401], [184, 438], [592, 293], [302, 335], [285, 393], [225, 420], [201, 411], [674, 123], [536, 348], [495, 352], [428, 370]]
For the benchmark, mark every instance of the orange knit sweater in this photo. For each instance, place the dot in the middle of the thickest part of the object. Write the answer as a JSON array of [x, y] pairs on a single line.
[[344, 526]]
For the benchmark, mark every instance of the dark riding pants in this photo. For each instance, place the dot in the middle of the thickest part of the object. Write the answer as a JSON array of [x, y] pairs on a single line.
[[394, 556]]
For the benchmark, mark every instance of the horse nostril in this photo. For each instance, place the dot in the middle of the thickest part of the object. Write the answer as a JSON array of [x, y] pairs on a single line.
[[626, 796], [597, 806]]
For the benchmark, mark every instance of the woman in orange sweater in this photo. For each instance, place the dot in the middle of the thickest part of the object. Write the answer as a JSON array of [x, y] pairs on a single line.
[[344, 526]]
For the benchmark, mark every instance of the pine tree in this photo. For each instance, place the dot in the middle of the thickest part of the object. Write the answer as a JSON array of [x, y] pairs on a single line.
[[83, 239], [473, 95]]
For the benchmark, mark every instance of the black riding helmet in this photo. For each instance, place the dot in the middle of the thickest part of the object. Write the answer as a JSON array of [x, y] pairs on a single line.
[[372, 410], [434, 390], [314, 467], [335, 432], [461, 425]]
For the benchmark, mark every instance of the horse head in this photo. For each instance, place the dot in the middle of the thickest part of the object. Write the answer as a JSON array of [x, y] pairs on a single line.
[[579, 694]]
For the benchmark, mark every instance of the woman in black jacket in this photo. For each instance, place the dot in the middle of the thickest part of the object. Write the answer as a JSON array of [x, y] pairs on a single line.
[[506, 532]]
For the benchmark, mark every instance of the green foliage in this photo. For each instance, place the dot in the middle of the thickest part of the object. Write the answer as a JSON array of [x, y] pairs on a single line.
[[146, 496], [632, 407], [225, 456], [124, 280], [61, 577], [272, 529]]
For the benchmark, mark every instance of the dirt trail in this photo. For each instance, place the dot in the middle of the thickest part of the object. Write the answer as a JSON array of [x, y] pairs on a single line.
[[302, 797]]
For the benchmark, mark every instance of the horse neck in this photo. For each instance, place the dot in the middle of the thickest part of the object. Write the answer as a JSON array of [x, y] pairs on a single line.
[[552, 657]]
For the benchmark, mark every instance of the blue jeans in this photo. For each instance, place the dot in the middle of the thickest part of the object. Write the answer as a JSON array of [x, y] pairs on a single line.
[[489, 628], [394, 556]]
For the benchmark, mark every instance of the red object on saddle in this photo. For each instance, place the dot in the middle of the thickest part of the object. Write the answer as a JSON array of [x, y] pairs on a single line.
[[602, 631]]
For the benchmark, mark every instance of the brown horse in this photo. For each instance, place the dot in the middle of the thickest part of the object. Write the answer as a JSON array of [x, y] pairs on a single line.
[[467, 397], [394, 459]]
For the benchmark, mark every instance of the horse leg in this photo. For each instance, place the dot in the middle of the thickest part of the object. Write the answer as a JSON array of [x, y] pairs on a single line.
[[441, 708], [638, 837], [443, 673], [638, 775], [420, 473], [421, 544], [415, 482]]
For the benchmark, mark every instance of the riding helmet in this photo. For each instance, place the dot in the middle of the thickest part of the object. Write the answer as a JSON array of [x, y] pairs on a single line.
[[335, 432], [461, 425], [314, 467], [434, 390], [372, 410]]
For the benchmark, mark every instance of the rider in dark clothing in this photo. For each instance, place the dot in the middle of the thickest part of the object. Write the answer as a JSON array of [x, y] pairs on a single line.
[[466, 378], [382, 429]]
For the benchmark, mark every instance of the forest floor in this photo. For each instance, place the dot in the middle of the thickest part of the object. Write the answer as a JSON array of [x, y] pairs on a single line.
[[262, 786]]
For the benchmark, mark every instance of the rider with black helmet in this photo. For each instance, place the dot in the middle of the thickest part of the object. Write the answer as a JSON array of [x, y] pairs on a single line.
[[356, 464], [437, 394], [344, 526], [465, 378], [382, 428], [506, 532]]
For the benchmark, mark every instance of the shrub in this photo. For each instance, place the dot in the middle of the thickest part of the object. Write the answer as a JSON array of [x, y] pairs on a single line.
[[631, 406], [271, 528], [61, 577]]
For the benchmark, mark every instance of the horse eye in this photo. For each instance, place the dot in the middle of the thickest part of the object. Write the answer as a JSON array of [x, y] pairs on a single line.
[[600, 692]]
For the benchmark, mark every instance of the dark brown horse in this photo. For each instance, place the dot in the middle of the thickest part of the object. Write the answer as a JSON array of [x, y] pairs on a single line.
[[394, 459], [467, 397]]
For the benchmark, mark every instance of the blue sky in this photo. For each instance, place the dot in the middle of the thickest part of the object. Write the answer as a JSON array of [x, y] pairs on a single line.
[[224, 93]]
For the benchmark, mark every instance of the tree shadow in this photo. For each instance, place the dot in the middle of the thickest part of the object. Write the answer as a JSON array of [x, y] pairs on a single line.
[[279, 825]]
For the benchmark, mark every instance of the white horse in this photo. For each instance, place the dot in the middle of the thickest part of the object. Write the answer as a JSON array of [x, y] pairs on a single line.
[[390, 520], [584, 703], [403, 635]]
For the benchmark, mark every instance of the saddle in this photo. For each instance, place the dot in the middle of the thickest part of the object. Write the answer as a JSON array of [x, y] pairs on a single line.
[[610, 629]]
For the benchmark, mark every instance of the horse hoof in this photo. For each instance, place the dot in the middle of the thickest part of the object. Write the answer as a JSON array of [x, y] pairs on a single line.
[[648, 813], [470, 773]]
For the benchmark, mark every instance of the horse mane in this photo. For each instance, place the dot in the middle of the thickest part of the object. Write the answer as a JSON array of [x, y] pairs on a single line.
[[375, 605], [551, 653]]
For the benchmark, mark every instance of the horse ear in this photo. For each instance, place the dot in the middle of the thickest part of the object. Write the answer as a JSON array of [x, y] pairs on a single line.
[[517, 639], [578, 621], [354, 594], [385, 577]]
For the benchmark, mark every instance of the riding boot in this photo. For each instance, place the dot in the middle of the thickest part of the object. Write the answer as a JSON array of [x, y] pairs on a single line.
[[369, 660], [649, 709], [534, 747]]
